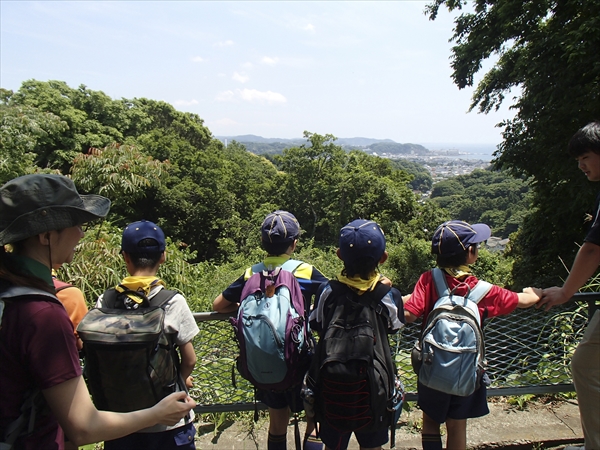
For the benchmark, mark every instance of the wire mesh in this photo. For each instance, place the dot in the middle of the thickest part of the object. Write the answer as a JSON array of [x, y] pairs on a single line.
[[529, 349]]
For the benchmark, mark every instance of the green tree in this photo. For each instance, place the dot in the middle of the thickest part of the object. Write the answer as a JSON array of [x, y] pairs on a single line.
[[23, 129], [546, 56]]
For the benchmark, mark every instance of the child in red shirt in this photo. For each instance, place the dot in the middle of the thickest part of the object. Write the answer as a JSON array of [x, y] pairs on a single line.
[[456, 245]]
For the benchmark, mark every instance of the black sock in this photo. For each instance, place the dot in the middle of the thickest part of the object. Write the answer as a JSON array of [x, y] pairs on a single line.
[[431, 441], [277, 442]]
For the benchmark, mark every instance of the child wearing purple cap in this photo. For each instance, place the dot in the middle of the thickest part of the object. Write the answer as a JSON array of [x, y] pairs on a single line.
[[143, 249], [279, 236], [456, 244], [361, 248]]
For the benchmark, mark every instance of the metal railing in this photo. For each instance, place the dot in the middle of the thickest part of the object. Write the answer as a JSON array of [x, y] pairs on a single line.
[[528, 352]]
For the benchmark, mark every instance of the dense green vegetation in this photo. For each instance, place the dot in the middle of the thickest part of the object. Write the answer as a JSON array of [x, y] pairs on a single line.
[[491, 197], [546, 61], [163, 165]]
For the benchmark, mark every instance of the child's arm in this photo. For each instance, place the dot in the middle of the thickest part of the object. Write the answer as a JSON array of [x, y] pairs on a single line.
[[188, 360], [529, 297]]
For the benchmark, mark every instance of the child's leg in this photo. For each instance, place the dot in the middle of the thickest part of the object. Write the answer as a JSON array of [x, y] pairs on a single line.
[[457, 434], [278, 423], [430, 435]]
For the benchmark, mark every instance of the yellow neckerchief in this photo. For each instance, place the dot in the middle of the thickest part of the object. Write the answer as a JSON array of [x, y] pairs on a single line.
[[359, 284], [458, 272], [143, 284]]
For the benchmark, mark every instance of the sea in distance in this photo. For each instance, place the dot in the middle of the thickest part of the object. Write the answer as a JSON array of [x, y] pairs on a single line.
[[483, 152]]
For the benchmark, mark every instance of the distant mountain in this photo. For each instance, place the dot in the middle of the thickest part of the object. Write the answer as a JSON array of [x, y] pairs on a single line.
[[261, 145]]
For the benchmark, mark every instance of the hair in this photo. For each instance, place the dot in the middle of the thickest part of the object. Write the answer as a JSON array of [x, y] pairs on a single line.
[[363, 267], [276, 248], [11, 275], [586, 139], [455, 260], [146, 260]]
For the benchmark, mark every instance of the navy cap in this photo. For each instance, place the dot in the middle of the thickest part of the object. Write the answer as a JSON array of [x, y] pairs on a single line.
[[280, 226], [361, 239], [455, 236], [138, 231]]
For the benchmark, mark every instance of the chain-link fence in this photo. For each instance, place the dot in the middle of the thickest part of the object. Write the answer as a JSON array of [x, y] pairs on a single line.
[[528, 352]]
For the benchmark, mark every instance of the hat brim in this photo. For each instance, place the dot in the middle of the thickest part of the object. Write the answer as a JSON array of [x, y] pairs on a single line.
[[55, 217], [482, 233]]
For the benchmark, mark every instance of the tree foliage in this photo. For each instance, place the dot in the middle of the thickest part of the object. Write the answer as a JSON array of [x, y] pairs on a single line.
[[492, 197], [546, 55]]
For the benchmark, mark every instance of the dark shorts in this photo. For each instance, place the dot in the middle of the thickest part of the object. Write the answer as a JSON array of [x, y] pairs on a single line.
[[179, 438], [336, 440], [440, 406], [280, 400]]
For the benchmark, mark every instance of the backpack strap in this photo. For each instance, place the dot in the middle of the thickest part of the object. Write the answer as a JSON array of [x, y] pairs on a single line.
[[479, 291], [290, 265], [441, 285], [109, 298], [369, 298], [33, 400]]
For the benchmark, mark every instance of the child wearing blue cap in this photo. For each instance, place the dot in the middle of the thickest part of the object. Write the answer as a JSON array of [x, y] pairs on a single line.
[[279, 236], [456, 246], [361, 248], [143, 249]]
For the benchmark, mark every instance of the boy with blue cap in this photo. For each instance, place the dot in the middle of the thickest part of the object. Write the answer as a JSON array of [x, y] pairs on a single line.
[[279, 236], [143, 249], [456, 245], [362, 249]]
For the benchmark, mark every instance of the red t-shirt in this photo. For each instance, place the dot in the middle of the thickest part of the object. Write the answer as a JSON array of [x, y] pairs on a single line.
[[37, 349], [498, 301]]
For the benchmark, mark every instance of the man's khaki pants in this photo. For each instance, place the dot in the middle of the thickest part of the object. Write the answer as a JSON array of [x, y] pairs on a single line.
[[585, 367]]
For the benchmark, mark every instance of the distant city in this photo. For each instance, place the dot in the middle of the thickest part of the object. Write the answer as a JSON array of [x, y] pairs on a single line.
[[442, 160]]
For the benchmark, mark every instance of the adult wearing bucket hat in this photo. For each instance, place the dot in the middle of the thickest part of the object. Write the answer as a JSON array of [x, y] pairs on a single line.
[[41, 217]]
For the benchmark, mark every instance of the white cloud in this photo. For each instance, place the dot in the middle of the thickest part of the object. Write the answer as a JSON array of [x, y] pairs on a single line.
[[310, 28], [269, 61], [252, 96], [226, 43], [198, 59], [225, 96], [240, 77], [185, 102]]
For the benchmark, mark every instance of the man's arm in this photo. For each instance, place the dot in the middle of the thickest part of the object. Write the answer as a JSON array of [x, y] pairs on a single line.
[[585, 264]]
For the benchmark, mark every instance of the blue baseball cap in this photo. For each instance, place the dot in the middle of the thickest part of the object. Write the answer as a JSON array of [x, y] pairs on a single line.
[[455, 236], [279, 227], [136, 232], [361, 239]]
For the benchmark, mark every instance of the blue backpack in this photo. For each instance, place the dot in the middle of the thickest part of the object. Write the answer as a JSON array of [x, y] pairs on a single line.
[[450, 355], [271, 329]]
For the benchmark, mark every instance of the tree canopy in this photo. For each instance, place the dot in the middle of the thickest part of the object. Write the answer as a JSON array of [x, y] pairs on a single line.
[[545, 54]]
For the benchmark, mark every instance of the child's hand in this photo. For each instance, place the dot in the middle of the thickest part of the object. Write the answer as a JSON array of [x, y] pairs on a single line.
[[385, 280], [529, 297], [189, 382], [532, 290]]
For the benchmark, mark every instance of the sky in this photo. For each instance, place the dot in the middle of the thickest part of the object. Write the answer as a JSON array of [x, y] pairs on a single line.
[[274, 68]]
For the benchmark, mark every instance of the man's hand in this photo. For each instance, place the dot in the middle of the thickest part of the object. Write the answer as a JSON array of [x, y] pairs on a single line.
[[552, 297]]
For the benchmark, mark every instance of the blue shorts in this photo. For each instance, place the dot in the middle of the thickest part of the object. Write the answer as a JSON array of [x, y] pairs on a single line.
[[180, 438], [440, 406], [336, 440], [280, 400]]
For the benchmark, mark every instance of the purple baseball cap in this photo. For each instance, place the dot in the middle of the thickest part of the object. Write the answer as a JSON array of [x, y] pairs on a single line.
[[280, 226], [361, 239]]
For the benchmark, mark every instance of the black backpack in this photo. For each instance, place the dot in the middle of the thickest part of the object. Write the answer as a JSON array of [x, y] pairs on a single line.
[[352, 376], [131, 363]]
